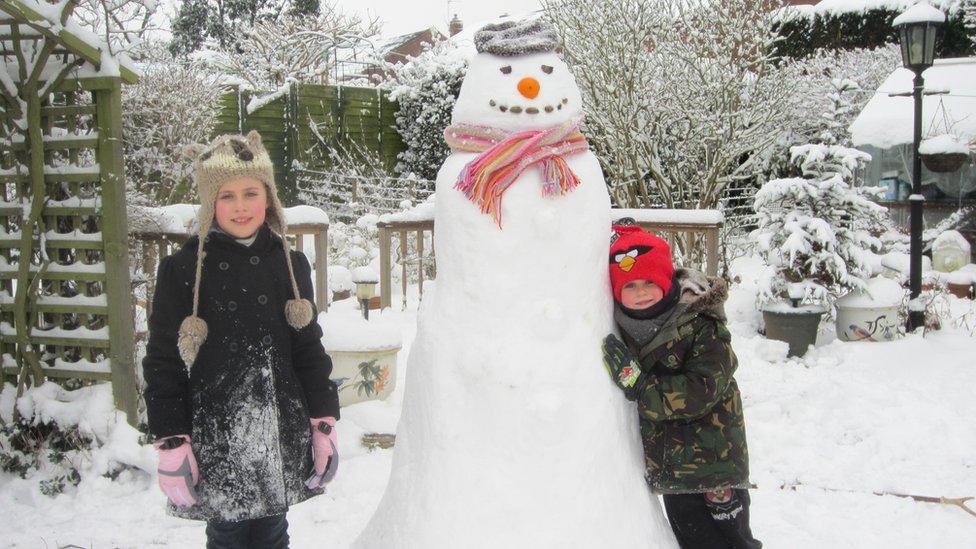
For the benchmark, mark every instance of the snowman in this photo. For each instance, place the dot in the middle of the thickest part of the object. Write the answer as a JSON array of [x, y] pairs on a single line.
[[512, 434]]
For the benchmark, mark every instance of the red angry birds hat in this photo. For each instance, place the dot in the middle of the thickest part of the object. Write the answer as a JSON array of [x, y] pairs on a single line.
[[636, 254]]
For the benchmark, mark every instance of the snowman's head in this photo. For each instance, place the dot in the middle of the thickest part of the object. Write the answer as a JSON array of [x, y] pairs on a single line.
[[517, 82]]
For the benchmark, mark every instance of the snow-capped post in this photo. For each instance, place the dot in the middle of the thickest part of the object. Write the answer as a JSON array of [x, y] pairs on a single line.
[[917, 30], [365, 280]]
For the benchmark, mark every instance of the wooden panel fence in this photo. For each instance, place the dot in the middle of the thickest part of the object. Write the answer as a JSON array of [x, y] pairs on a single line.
[[301, 123]]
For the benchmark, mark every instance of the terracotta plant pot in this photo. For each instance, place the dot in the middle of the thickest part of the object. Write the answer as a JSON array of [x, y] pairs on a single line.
[[796, 326], [964, 291]]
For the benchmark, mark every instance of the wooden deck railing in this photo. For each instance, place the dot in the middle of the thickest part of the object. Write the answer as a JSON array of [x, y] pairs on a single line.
[[674, 224]]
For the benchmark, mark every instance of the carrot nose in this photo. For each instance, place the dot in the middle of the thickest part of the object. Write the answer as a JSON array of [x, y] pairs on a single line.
[[529, 87]]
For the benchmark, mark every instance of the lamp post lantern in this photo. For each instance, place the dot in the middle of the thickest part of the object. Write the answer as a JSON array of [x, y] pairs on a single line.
[[365, 280], [917, 28]]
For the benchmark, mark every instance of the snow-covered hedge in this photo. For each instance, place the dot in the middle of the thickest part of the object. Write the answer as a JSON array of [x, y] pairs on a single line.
[[426, 89], [853, 25]]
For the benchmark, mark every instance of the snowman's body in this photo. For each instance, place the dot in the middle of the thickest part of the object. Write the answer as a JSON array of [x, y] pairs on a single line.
[[512, 434]]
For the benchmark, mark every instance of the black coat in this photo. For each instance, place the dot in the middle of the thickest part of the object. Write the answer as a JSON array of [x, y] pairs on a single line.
[[247, 399]]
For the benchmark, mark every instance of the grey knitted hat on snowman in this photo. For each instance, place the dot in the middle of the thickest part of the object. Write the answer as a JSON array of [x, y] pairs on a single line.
[[231, 157]]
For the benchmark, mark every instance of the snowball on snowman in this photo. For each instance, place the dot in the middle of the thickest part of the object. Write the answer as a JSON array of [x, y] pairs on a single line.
[[519, 107]]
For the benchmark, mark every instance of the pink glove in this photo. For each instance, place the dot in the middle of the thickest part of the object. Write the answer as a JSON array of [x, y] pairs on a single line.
[[325, 453], [178, 472]]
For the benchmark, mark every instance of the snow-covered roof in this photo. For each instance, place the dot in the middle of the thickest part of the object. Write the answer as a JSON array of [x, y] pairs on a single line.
[[45, 18], [888, 121]]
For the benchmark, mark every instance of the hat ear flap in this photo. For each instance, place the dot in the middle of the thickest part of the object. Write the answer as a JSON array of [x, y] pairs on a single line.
[[253, 138], [194, 150]]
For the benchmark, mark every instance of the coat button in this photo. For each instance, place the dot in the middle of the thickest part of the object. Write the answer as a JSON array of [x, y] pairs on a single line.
[[233, 347], [255, 260], [262, 299], [231, 305], [266, 340], [224, 266]]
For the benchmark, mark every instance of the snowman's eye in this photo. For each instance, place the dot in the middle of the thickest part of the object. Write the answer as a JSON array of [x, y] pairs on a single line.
[[547, 69], [507, 69]]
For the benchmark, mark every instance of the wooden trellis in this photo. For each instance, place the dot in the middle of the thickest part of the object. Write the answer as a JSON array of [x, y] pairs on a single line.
[[65, 299]]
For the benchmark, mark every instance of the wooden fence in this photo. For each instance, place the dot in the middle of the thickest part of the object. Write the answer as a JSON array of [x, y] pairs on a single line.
[[303, 121], [689, 225]]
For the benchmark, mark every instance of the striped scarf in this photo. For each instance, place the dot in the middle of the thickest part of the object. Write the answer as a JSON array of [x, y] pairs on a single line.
[[504, 156]]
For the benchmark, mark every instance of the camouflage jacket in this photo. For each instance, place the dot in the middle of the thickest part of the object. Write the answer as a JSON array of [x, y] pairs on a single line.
[[692, 426]]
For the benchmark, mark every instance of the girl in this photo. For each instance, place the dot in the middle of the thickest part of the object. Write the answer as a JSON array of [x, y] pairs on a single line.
[[676, 360], [238, 394]]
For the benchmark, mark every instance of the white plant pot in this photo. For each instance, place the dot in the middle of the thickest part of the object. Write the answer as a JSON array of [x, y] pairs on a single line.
[[868, 323], [364, 375]]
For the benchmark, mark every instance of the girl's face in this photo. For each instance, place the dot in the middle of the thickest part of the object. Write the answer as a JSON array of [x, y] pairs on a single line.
[[640, 294], [241, 207]]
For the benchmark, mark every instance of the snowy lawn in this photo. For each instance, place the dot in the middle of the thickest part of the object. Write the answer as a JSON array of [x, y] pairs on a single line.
[[825, 434]]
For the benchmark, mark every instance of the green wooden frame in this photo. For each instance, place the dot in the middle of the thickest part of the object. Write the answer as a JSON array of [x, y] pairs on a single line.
[[65, 301]]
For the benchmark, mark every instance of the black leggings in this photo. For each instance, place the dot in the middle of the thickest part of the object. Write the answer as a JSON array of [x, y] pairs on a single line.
[[263, 533], [702, 524]]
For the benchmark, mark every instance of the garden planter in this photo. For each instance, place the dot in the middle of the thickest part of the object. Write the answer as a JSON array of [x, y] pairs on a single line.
[[364, 359], [962, 290], [872, 314], [794, 325], [944, 162]]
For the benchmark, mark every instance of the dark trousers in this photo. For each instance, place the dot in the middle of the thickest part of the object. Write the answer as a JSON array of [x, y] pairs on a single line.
[[263, 533], [701, 523]]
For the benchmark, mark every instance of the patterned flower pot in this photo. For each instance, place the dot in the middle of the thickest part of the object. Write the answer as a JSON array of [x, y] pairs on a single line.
[[364, 375], [872, 313], [796, 326]]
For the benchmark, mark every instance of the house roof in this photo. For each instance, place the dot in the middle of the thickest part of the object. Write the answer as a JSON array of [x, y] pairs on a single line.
[[887, 121], [43, 18], [391, 45]]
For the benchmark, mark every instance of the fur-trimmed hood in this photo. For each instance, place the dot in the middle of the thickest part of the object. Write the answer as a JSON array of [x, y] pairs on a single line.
[[702, 293]]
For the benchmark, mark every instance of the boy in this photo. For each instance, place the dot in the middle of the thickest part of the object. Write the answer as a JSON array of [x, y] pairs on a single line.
[[676, 361]]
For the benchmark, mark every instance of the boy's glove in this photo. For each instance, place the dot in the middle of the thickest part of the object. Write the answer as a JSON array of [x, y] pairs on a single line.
[[325, 452], [177, 469], [621, 365]]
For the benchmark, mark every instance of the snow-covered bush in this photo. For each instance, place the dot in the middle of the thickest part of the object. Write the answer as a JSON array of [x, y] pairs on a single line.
[[817, 230], [426, 88], [173, 105], [63, 436], [681, 97], [353, 245]]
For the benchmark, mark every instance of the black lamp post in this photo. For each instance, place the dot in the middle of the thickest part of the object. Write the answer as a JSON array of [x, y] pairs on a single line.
[[917, 29]]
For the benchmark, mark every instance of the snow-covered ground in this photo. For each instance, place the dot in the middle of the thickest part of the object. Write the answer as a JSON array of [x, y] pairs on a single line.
[[826, 433]]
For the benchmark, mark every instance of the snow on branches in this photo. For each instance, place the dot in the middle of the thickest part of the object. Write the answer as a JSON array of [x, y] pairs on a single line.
[[426, 88], [817, 230], [681, 97]]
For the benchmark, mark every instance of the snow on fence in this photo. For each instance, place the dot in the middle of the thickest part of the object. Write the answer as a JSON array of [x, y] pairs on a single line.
[[672, 224]]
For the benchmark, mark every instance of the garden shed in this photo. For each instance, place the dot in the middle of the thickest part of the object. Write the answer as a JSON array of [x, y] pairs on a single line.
[[65, 294]]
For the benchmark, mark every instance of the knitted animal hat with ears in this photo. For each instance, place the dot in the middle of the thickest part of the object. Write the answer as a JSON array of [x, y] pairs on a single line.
[[230, 157]]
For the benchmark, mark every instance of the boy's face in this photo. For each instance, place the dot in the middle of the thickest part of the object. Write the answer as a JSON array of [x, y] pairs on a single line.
[[640, 294], [241, 207]]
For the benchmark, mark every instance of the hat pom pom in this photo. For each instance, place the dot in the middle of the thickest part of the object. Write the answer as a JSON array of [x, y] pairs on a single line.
[[192, 334], [299, 313]]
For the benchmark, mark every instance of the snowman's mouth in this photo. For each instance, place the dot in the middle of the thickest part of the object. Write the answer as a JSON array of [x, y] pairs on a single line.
[[518, 109]]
